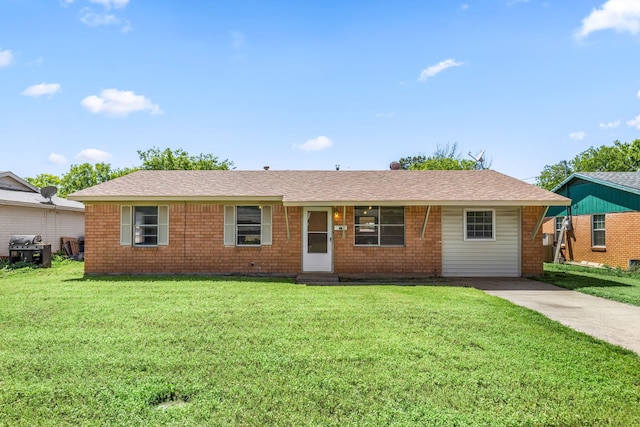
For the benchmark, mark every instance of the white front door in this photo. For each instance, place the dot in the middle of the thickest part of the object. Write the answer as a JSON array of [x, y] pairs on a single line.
[[317, 242]]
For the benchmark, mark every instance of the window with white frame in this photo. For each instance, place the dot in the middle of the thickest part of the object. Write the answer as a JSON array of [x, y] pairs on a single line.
[[144, 225], [598, 230], [247, 225], [379, 225], [479, 224]]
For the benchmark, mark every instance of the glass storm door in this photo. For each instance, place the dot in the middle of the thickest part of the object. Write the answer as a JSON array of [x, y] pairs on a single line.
[[316, 240]]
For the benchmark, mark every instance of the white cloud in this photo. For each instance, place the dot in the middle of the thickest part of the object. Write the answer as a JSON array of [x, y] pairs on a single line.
[[635, 122], [619, 15], [464, 6], [92, 19], [439, 67], [316, 144], [610, 125], [512, 2], [38, 61], [93, 155], [6, 58], [42, 89], [57, 159], [108, 4], [638, 94], [114, 102], [108, 16], [577, 136]]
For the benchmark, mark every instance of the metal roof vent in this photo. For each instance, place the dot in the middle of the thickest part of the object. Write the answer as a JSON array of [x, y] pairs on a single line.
[[395, 166]]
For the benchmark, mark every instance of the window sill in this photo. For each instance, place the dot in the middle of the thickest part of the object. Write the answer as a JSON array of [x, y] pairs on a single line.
[[598, 249], [379, 246]]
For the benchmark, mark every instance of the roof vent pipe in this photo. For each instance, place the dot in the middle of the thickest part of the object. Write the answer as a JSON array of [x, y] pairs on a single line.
[[265, 168], [395, 166]]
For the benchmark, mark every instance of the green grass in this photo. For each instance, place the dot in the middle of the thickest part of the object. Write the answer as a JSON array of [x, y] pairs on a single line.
[[229, 351], [615, 284]]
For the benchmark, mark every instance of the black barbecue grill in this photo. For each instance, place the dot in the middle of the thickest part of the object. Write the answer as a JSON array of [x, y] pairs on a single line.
[[29, 248]]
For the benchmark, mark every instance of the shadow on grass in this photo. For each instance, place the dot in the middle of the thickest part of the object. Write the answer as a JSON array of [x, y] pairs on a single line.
[[570, 280], [178, 278]]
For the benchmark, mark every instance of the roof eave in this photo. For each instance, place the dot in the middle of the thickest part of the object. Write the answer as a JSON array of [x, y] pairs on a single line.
[[41, 206], [147, 199], [355, 202], [16, 178], [429, 203], [595, 181]]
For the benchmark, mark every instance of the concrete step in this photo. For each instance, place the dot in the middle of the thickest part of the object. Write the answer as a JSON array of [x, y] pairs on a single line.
[[317, 279]]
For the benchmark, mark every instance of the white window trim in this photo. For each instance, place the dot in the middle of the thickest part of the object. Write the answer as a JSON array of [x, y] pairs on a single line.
[[593, 230], [231, 227], [266, 226], [127, 226], [493, 225]]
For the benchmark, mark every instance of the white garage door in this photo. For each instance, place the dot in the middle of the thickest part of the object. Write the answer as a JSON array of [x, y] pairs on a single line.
[[495, 253]]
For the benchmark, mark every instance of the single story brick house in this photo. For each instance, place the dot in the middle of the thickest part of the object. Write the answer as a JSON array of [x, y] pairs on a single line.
[[374, 223], [604, 218], [24, 211]]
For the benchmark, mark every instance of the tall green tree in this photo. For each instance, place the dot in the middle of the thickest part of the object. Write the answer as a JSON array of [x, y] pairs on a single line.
[[78, 177], [445, 157], [86, 175], [552, 175], [619, 157], [156, 159], [44, 179]]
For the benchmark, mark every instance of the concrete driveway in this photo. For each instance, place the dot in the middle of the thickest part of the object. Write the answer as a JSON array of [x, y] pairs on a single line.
[[610, 321]]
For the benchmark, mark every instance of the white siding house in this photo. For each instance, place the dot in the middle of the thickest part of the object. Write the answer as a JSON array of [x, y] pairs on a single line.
[[23, 210], [481, 241]]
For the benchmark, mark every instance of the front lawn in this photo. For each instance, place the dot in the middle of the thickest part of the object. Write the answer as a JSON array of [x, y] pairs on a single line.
[[228, 351], [615, 284]]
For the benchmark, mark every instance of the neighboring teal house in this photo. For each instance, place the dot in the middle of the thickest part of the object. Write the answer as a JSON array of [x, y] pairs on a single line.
[[604, 218]]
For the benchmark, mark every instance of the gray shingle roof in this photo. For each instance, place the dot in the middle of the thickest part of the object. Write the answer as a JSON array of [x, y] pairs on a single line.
[[35, 200], [15, 191], [325, 187], [629, 180]]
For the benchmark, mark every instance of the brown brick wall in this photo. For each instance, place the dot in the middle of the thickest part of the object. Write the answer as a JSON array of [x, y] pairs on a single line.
[[196, 245], [532, 249], [420, 257], [622, 239], [548, 225]]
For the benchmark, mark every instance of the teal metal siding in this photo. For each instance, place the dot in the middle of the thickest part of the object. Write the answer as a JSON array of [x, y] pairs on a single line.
[[589, 198]]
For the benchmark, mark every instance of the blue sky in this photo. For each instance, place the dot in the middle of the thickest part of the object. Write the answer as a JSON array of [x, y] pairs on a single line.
[[315, 84]]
